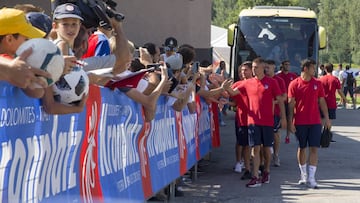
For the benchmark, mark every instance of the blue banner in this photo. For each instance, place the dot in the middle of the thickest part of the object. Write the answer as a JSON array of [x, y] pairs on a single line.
[[106, 153]]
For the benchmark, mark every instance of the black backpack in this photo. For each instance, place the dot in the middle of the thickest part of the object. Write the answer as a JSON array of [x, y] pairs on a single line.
[[350, 79]]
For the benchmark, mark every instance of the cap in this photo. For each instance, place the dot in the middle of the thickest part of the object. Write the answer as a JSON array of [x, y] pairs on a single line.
[[67, 10], [14, 21], [175, 61], [170, 42], [40, 21]]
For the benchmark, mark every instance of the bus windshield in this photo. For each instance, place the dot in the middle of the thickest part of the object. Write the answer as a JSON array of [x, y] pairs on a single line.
[[278, 39]]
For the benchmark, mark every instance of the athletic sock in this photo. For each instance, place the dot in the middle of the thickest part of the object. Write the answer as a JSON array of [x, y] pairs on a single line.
[[303, 169], [312, 171]]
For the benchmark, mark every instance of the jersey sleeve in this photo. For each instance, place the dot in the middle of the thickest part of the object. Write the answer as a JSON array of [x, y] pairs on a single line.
[[321, 89], [291, 90], [276, 89]]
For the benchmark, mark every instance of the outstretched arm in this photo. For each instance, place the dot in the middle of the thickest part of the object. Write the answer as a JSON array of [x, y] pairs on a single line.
[[122, 51]]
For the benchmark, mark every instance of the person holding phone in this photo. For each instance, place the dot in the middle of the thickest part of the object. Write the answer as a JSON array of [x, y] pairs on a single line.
[[221, 71], [179, 95]]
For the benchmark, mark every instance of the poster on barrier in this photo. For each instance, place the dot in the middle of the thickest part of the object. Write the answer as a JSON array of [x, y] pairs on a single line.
[[163, 147], [106, 153], [119, 163], [188, 128], [204, 125], [39, 152]]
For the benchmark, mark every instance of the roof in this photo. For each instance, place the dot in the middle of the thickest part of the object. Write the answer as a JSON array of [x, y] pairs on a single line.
[[278, 11]]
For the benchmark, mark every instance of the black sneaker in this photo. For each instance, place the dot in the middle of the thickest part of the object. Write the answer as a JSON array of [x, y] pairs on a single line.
[[261, 169], [246, 176]]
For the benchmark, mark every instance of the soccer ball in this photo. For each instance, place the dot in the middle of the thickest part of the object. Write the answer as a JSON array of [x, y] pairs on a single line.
[[70, 88], [46, 56]]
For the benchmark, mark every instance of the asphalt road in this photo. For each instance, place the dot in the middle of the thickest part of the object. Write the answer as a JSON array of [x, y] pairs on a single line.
[[338, 172]]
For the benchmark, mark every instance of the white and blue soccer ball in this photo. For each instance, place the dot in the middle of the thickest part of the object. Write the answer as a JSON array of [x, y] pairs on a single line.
[[71, 88], [46, 56]]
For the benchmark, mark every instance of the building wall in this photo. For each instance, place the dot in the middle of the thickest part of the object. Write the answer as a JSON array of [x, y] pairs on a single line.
[[186, 20], [154, 20]]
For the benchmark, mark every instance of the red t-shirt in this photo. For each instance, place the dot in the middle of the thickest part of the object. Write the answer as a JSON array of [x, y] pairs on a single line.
[[283, 90], [287, 77], [306, 94], [241, 101], [261, 94], [330, 84]]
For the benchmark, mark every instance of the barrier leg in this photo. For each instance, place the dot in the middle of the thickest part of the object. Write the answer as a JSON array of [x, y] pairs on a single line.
[[194, 172], [172, 190]]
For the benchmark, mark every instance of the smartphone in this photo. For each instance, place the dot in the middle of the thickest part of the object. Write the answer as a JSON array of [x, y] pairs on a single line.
[[195, 67], [154, 66], [136, 53], [175, 82]]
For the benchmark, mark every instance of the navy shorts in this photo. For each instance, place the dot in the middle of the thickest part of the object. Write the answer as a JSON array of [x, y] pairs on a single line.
[[261, 135], [308, 135], [242, 135], [350, 90], [277, 124], [331, 112]]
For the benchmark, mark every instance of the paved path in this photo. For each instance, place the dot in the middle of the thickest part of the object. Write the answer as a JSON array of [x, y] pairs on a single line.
[[338, 171]]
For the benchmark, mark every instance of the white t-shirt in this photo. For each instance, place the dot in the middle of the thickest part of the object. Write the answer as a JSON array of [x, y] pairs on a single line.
[[344, 75], [335, 73], [341, 75]]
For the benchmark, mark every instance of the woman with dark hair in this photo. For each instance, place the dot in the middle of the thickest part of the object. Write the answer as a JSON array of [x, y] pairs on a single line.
[[154, 51]]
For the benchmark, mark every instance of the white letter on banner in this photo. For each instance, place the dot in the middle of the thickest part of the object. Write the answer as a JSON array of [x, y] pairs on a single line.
[[31, 161], [43, 170], [73, 139], [6, 155], [123, 151], [76, 144], [17, 171], [118, 148], [104, 165], [58, 161], [3, 117], [113, 147], [52, 157]]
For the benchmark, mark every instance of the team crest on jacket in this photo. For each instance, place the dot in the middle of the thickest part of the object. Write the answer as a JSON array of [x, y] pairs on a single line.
[[315, 87], [266, 86]]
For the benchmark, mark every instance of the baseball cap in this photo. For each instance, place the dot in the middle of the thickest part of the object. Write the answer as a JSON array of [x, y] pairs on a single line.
[[67, 10], [40, 21], [14, 21], [170, 42], [175, 61]]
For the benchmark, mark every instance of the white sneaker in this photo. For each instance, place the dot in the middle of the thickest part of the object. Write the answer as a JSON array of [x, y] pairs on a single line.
[[222, 123], [312, 183], [276, 160], [302, 180], [238, 168], [242, 164]]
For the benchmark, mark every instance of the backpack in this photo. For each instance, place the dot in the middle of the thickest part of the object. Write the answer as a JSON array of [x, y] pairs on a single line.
[[350, 79]]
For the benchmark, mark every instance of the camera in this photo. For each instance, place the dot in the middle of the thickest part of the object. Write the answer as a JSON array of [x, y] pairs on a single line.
[[95, 12]]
